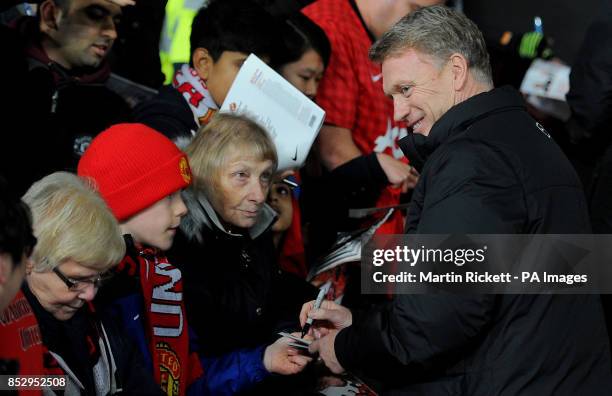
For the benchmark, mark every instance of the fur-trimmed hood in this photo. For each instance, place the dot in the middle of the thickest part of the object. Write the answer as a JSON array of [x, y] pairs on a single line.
[[201, 214]]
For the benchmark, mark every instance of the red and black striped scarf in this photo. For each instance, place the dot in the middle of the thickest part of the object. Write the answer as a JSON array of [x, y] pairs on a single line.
[[165, 319]]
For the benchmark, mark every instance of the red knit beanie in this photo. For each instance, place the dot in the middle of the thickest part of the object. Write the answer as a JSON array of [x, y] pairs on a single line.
[[133, 167]]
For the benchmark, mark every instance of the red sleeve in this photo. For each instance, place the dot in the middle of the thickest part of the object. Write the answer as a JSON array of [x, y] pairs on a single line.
[[338, 91]]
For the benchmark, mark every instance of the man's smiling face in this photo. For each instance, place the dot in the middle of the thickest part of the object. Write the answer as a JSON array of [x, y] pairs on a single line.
[[422, 91]]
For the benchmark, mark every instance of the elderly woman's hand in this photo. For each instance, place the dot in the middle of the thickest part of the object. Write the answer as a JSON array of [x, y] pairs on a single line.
[[280, 358]]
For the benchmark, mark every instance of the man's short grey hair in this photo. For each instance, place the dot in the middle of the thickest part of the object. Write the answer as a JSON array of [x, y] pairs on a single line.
[[439, 32]]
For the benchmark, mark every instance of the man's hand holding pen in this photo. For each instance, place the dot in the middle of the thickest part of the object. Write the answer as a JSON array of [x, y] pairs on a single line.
[[328, 320], [329, 316]]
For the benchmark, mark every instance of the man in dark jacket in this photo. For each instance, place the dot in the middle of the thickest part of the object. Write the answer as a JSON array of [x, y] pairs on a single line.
[[61, 101], [481, 157], [589, 127]]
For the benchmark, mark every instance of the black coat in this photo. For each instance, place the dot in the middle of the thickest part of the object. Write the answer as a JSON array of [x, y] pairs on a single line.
[[590, 98], [54, 113], [236, 296], [489, 169]]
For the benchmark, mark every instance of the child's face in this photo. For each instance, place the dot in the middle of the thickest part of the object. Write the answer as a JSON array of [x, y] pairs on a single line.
[[279, 199], [157, 225], [305, 73], [220, 75]]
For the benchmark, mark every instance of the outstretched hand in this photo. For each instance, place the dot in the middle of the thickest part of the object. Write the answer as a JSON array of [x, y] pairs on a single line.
[[399, 174], [280, 358]]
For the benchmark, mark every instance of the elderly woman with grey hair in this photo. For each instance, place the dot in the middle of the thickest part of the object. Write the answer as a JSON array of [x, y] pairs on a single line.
[[78, 242], [225, 247]]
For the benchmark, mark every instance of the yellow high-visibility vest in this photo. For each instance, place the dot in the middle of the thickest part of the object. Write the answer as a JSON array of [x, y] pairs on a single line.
[[174, 49]]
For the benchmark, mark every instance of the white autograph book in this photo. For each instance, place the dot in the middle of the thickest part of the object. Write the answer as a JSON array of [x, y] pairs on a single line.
[[290, 117], [545, 85]]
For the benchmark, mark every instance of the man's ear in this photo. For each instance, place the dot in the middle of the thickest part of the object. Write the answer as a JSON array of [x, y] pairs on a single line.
[[6, 266], [460, 70], [50, 14], [29, 265], [203, 62]]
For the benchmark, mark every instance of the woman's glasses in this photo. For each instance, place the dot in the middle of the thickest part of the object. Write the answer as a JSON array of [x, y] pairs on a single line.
[[81, 284]]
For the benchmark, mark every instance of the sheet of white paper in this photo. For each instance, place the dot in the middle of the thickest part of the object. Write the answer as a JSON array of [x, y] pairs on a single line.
[[299, 346], [546, 79], [291, 118], [294, 338]]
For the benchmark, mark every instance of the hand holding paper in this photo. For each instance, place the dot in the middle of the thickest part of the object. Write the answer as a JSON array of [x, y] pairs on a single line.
[[546, 83], [281, 358]]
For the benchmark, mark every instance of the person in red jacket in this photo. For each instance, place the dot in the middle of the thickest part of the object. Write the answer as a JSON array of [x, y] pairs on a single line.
[[16, 243], [17, 321], [359, 131]]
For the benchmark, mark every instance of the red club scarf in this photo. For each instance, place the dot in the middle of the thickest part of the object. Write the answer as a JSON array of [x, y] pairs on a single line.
[[165, 320]]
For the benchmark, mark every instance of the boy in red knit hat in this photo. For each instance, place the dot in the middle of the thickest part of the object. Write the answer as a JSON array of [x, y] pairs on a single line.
[[140, 173]]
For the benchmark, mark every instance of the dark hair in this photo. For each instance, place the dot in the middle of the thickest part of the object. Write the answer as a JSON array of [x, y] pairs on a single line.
[[64, 5], [235, 25], [300, 34], [16, 237]]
